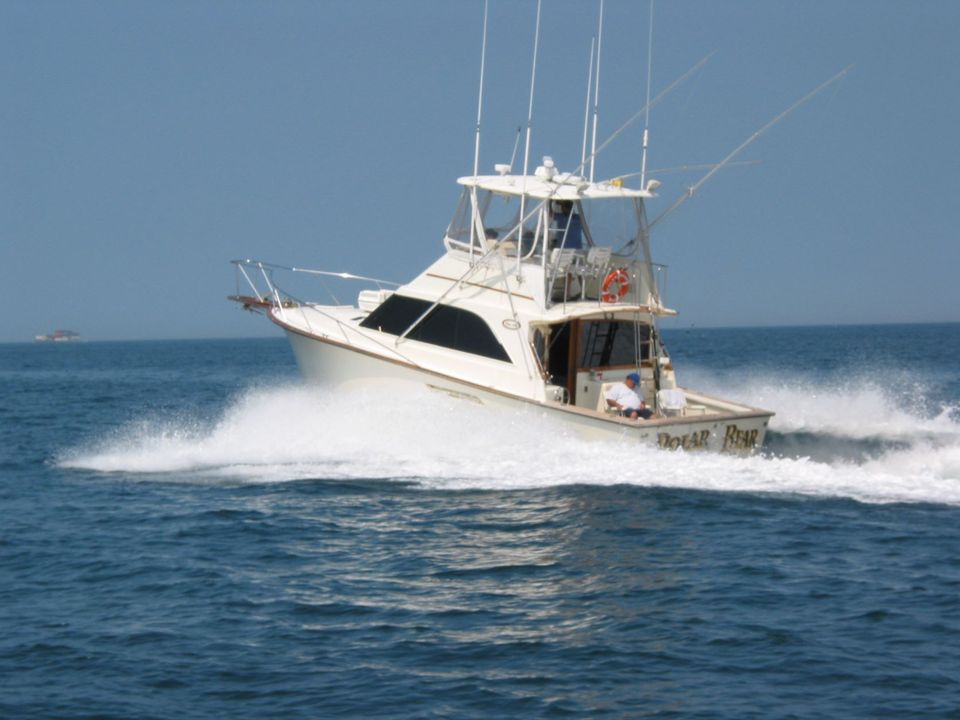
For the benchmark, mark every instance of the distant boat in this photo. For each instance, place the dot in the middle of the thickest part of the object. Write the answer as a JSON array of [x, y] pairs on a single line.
[[58, 336]]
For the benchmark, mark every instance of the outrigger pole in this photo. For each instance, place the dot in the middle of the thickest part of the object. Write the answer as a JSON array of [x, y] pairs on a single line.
[[633, 118], [662, 94], [742, 146]]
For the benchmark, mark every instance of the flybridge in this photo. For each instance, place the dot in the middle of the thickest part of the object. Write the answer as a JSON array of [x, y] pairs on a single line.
[[544, 185]]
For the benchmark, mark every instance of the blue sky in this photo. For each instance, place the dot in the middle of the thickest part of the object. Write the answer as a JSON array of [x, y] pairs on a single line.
[[146, 144]]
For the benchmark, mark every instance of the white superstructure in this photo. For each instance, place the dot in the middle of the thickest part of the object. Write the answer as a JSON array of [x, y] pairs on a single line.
[[544, 295]]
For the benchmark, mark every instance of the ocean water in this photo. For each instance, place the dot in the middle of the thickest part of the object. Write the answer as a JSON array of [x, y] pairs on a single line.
[[189, 532]]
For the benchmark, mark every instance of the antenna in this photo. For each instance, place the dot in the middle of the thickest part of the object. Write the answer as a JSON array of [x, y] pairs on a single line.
[[586, 109], [533, 78], [596, 95], [646, 122], [476, 146], [483, 62], [526, 148], [516, 144]]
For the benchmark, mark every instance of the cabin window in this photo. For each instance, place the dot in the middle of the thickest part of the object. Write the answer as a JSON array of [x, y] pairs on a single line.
[[612, 343], [446, 326], [395, 314]]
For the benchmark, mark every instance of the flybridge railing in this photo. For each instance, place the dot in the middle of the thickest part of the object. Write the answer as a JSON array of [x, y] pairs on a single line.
[[575, 277], [261, 278]]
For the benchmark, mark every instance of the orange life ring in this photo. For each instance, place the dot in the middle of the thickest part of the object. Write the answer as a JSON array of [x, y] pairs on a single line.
[[622, 280]]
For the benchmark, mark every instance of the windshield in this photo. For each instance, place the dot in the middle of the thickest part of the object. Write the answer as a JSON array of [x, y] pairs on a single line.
[[570, 224], [613, 224]]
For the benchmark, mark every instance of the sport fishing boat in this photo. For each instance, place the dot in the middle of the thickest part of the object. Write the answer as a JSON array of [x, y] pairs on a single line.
[[545, 295]]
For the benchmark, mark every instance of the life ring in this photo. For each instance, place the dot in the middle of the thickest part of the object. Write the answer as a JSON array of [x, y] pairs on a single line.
[[622, 281]]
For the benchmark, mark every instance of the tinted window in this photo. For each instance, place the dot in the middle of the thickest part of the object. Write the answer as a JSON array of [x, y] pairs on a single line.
[[445, 326], [395, 314]]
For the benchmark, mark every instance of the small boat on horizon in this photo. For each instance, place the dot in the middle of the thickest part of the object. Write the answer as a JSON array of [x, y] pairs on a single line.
[[57, 336]]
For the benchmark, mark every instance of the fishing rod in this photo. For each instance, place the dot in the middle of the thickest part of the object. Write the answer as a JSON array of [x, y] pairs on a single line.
[[688, 168]]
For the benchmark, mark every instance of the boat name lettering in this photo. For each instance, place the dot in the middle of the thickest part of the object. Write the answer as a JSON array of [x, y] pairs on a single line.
[[736, 439], [690, 441]]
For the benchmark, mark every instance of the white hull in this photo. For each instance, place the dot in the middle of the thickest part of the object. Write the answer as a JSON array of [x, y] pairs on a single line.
[[737, 432]]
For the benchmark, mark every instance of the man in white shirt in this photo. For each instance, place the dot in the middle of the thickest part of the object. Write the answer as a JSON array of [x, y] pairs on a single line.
[[624, 397]]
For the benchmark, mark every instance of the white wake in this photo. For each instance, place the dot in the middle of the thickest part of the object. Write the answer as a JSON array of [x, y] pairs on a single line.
[[294, 432]]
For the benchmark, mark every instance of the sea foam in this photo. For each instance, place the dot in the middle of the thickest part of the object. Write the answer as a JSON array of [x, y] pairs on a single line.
[[295, 432]]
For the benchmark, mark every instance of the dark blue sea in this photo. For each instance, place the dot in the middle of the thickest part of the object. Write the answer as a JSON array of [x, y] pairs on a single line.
[[189, 532]]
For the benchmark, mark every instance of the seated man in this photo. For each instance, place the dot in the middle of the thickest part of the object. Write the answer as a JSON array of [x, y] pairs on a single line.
[[624, 397]]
